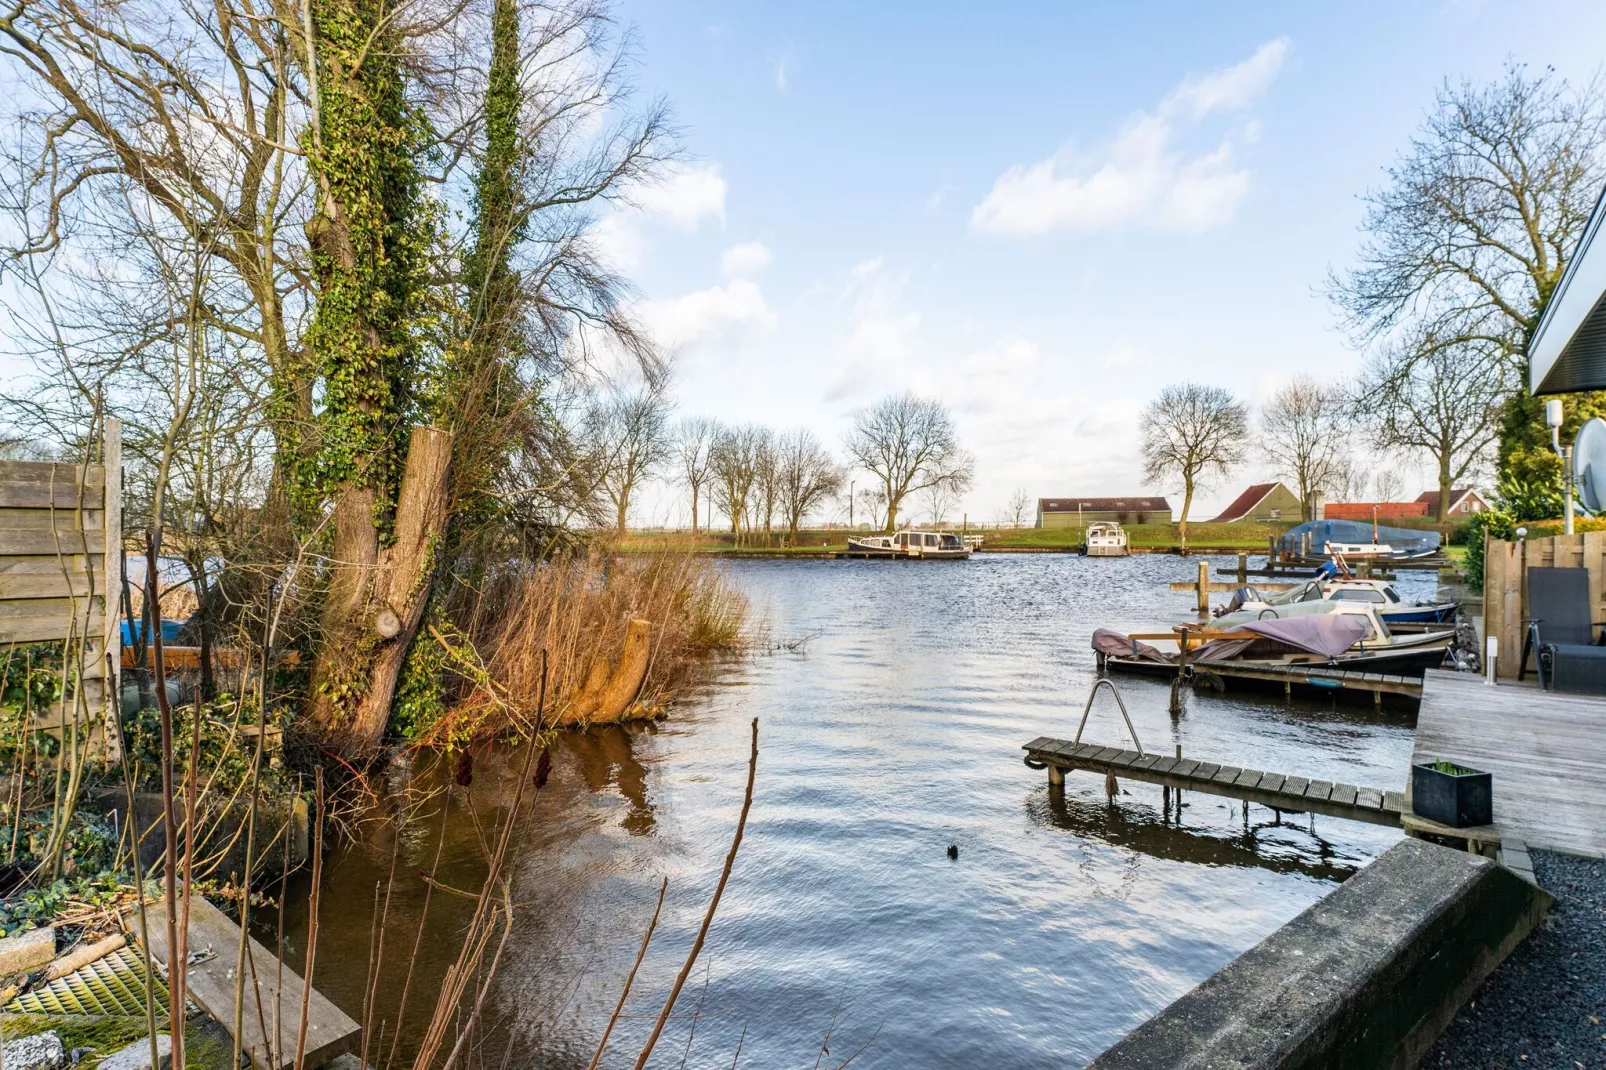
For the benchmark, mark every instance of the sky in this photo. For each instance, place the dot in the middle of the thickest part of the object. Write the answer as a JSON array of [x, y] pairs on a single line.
[[1038, 214]]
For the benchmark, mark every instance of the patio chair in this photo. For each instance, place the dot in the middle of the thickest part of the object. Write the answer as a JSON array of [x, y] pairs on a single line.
[[1570, 648]]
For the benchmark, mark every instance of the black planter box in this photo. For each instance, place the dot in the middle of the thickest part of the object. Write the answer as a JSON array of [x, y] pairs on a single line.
[[1464, 800]]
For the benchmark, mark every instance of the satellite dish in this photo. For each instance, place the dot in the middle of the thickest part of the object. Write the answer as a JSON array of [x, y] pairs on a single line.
[[1589, 465]]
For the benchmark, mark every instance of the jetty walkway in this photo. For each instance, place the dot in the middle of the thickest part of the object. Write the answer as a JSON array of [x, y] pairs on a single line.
[[1278, 791]]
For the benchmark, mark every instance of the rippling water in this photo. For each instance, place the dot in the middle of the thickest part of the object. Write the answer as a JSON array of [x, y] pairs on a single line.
[[893, 730]]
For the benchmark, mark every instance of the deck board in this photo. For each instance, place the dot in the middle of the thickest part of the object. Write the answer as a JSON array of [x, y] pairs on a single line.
[[1546, 751]]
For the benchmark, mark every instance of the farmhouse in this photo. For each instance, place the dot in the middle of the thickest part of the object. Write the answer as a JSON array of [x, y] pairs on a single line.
[[1262, 503], [1075, 512]]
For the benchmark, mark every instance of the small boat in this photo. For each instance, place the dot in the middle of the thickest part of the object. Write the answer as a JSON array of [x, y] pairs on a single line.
[[1318, 540], [927, 545], [1250, 604], [1332, 634], [1105, 538]]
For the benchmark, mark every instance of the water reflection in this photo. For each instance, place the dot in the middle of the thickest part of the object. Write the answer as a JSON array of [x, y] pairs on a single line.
[[1284, 844], [605, 756]]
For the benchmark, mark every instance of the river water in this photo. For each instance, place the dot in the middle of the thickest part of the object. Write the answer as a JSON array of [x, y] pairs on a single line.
[[891, 709]]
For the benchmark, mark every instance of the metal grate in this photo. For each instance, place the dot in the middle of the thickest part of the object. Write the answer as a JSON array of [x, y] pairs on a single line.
[[112, 985]]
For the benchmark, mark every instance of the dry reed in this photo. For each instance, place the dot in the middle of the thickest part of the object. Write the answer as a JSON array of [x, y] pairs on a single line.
[[577, 608]]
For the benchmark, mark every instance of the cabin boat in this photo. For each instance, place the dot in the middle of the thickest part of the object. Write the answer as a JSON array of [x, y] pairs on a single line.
[[1105, 538], [928, 545], [1249, 604]]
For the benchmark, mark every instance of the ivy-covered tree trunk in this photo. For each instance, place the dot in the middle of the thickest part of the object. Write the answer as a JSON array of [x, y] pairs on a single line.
[[367, 243]]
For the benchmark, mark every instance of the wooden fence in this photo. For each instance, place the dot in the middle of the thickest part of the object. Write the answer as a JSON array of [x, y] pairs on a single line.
[[61, 580], [1505, 584]]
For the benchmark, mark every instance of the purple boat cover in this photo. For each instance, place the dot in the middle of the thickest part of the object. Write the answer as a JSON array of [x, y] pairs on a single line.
[[1113, 644], [1326, 634]]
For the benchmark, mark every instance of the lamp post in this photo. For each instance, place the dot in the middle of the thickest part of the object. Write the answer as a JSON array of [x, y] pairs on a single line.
[[1553, 417]]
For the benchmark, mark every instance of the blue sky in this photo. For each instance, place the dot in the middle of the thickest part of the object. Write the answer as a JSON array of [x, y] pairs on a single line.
[[1039, 214]]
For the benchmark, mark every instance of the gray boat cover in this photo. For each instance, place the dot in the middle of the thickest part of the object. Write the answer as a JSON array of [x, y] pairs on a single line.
[[1113, 644], [1326, 634]]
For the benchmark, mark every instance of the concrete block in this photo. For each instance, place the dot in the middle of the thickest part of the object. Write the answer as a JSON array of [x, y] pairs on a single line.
[[42, 1051], [27, 951], [137, 1056], [1367, 977]]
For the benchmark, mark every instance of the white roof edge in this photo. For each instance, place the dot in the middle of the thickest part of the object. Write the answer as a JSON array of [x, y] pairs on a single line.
[[1575, 297]]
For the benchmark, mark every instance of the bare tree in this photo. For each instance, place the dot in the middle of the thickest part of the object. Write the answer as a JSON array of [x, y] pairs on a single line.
[[1444, 401], [1303, 430], [694, 457], [630, 435], [1468, 238], [910, 445], [1387, 485], [1192, 432], [766, 485], [807, 476], [939, 500], [735, 464], [1018, 508]]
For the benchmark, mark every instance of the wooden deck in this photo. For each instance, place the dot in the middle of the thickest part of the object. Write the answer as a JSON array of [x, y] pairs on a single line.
[[272, 1017], [1547, 751], [1324, 679], [1279, 791]]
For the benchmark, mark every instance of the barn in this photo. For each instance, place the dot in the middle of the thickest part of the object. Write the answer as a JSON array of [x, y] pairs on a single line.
[[1075, 512]]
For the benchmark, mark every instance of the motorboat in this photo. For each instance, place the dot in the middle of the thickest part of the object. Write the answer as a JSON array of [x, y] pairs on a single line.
[[1105, 538], [1334, 634], [927, 545], [1249, 604], [1355, 541]]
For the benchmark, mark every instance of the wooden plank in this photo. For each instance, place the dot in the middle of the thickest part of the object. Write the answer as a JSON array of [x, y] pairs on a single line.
[[1206, 771], [1344, 794], [34, 538], [1271, 782], [1037, 744], [1295, 785], [38, 619], [1369, 799], [1248, 778], [1394, 802], [210, 983], [1125, 759], [1184, 768], [1164, 765], [1319, 790], [41, 484], [1146, 762], [1227, 774], [1105, 754], [48, 577]]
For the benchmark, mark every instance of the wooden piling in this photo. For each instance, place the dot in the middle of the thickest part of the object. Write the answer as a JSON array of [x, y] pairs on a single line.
[[1243, 568], [1204, 588]]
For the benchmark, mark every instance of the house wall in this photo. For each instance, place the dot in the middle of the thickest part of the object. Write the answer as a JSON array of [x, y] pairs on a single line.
[[1363, 510], [1280, 504], [1124, 516]]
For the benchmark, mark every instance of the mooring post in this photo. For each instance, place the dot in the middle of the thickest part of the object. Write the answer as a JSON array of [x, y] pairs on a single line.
[[1182, 667], [1110, 786], [1056, 777], [1204, 588], [1243, 568]]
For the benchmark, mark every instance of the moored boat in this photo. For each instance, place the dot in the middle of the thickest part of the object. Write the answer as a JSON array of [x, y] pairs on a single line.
[[1249, 604], [926, 545], [1105, 538]]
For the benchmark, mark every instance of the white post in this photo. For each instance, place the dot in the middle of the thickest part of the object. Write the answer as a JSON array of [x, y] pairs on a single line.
[[1491, 652]]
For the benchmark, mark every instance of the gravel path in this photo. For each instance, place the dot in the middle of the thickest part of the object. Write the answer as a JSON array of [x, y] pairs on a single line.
[[1545, 1007]]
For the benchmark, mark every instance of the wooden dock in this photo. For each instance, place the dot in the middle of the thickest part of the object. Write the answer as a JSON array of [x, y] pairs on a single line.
[[1545, 749], [272, 1018], [1278, 791], [1316, 677]]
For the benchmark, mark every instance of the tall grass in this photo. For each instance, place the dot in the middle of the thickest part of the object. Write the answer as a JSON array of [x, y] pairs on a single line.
[[576, 607]]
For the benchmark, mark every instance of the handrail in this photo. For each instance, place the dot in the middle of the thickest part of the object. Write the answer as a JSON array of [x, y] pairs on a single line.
[[1105, 681]]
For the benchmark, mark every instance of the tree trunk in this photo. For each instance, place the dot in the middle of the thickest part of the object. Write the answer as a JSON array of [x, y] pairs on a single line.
[[1445, 481], [623, 504], [376, 597], [1187, 503], [694, 508]]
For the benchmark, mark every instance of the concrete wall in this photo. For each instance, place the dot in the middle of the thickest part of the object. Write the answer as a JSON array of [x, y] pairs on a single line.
[[1368, 977]]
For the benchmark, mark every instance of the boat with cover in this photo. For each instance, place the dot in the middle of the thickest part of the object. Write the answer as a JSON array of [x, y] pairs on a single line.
[[1247, 603], [927, 545], [1354, 540], [1105, 538], [1340, 635]]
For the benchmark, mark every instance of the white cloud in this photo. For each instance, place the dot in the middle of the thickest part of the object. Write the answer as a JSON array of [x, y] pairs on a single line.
[[746, 258], [876, 352], [620, 242], [780, 75], [718, 314], [1141, 178], [684, 197]]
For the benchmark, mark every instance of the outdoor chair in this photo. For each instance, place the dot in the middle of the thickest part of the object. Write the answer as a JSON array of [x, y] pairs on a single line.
[[1569, 647]]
